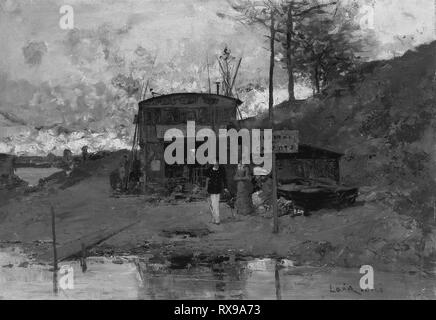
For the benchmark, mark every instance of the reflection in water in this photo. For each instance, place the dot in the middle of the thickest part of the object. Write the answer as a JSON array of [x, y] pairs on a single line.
[[132, 278], [55, 281], [266, 279], [277, 278], [102, 280]]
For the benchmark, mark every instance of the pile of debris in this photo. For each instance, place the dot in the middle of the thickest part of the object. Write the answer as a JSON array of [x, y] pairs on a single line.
[[181, 189], [288, 208], [175, 191], [262, 201]]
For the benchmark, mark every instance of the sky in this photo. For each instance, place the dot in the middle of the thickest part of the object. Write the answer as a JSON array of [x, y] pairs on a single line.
[[167, 27], [80, 79]]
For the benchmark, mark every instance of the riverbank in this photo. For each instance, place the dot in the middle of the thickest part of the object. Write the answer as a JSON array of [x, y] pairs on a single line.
[[85, 207]]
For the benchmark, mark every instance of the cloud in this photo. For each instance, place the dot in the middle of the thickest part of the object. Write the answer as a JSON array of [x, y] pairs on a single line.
[[87, 77], [10, 6]]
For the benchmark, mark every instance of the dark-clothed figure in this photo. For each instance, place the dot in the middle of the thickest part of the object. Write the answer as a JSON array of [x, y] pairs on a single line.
[[67, 157], [216, 183], [135, 175], [85, 154]]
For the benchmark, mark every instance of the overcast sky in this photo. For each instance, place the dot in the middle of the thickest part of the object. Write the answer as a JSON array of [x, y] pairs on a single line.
[[196, 27]]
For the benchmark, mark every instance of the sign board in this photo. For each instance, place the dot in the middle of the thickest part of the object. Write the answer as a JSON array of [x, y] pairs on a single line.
[[161, 129], [155, 165], [285, 141]]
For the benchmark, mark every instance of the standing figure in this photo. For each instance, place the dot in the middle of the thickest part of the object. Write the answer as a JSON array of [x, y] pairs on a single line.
[[118, 177], [68, 162], [135, 175], [67, 158], [216, 182], [244, 204], [115, 180], [123, 176], [267, 190], [126, 164], [84, 153]]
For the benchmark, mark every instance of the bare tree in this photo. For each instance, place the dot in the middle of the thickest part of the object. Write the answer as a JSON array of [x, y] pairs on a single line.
[[287, 13]]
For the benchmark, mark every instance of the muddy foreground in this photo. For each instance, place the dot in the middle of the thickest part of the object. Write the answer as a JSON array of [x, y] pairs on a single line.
[[86, 209]]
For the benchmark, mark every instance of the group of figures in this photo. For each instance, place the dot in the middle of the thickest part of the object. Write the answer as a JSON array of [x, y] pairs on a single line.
[[127, 176], [68, 160], [217, 184]]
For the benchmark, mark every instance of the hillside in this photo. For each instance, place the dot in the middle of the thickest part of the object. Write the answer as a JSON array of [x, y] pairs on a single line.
[[383, 118]]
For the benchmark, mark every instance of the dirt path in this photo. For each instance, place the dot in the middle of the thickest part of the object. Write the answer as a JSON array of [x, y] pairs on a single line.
[[366, 234], [88, 207]]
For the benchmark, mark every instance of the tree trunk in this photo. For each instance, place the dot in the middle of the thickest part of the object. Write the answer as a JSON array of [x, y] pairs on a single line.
[[271, 69], [271, 120], [289, 55], [317, 80]]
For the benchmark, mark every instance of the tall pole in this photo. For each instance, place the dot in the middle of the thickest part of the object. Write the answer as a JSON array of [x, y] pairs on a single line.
[[142, 122], [55, 254], [271, 120], [132, 153], [83, 259], [208, 74], [234, 76], [142, 118]]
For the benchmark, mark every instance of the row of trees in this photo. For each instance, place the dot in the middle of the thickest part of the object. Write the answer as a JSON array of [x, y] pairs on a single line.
[[317, 40]]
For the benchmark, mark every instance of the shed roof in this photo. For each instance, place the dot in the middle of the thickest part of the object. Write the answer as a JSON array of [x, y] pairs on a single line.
[[310, 152], [155, 100]]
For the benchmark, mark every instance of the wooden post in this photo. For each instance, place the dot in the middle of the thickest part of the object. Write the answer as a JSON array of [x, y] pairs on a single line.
[[132, 153], [55, 255], [83, 259], [271, 119], [214, 120], [434, 210], [143, 126], [144, 187]]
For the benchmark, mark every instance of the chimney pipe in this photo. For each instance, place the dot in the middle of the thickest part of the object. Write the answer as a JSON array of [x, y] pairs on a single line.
[[218, 87]]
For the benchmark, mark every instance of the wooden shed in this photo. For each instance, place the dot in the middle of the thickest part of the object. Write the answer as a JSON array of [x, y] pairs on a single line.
[[310, 162]]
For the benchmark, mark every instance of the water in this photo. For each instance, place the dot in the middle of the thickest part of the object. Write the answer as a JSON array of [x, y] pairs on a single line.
[[131, 278], [102, 280], [262, 279], [32, 175]]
